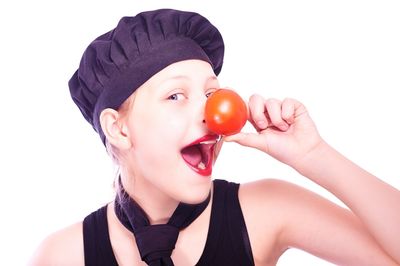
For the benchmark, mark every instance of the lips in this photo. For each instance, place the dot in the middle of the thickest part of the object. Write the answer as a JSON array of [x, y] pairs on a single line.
[[199, 155]]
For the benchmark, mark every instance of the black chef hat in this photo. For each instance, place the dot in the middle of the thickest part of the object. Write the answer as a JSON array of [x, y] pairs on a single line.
[[118, 62]]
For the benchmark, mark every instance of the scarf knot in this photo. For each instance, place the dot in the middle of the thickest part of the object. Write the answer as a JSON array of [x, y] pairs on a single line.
[[156, 242]]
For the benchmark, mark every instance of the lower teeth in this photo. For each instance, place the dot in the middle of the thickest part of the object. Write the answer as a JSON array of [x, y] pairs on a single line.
[[201, 166]]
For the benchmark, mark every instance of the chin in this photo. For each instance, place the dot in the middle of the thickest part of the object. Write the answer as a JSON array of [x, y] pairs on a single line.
[[196, 194]]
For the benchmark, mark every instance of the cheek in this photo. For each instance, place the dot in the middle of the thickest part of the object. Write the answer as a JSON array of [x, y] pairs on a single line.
[[162, 128], [158, 137]]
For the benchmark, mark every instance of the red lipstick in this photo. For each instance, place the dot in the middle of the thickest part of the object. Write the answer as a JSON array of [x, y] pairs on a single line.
[[199, 155]]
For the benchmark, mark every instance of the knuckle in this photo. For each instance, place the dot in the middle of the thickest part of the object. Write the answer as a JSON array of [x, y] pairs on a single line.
[[271, 100], [254, 97], [288, 100]]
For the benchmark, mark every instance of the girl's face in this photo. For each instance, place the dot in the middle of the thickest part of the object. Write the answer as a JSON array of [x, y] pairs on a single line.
[[172, 150]]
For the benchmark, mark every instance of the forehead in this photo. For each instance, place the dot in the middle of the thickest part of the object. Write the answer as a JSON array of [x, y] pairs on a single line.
[[191, 71]]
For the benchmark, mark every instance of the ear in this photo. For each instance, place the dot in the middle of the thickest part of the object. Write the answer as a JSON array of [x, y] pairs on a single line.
[[114, 129]]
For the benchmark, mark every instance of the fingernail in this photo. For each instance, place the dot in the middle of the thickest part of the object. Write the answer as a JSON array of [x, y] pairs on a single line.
[[284, 127]]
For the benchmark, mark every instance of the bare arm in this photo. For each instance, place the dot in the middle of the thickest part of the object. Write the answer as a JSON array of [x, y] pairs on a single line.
[[376, 203], [280, 215], [64, 247], [286, 132]]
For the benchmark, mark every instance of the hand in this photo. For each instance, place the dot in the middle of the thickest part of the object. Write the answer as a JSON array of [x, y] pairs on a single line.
[[284, 129]]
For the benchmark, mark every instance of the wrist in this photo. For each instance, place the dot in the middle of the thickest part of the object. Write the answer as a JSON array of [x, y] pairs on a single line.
[[308, 162]]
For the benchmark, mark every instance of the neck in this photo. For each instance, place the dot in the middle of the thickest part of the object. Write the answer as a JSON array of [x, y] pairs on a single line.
[[157, 205]]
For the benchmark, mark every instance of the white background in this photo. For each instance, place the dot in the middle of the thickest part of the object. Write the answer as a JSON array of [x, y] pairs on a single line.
[[340, 58]]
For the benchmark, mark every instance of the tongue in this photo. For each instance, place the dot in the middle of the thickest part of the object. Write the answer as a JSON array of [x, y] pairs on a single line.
[[192, 155]]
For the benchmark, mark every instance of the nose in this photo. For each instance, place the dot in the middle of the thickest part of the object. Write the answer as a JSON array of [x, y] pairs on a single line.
[[202, 110], [203, 121]]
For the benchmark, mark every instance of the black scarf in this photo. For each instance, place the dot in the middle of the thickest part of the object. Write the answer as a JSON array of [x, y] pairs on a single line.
[[155, 242]]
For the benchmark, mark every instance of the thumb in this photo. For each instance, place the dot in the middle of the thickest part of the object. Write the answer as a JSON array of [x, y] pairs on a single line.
[[252, 140]]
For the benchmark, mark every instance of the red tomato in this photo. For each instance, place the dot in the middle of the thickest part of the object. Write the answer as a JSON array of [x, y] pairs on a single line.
[[225, 112]]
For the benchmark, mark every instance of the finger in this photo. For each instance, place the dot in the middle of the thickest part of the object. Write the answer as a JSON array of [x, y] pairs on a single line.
[[288, 110], [257, 115], [275, 114], [253, 140]]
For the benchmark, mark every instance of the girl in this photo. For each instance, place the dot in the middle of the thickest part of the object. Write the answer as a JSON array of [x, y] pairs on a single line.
[[143, 87]]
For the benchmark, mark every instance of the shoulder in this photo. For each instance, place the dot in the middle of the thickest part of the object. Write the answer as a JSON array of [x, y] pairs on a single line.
[[266, 193], [64, 247], [259, 200], [282, 205], [268, 206]]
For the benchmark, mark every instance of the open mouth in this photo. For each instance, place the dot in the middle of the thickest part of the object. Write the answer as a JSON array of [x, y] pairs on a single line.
[[199, 154]]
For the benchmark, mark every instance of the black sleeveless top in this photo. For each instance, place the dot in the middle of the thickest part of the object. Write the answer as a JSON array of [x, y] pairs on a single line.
[[227, 240]]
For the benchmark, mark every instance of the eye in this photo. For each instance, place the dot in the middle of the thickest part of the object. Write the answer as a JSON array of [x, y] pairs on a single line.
[[208, 94], [176, 96]]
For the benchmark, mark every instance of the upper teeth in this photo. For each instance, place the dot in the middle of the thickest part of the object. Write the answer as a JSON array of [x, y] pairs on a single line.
[[208, 142]]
